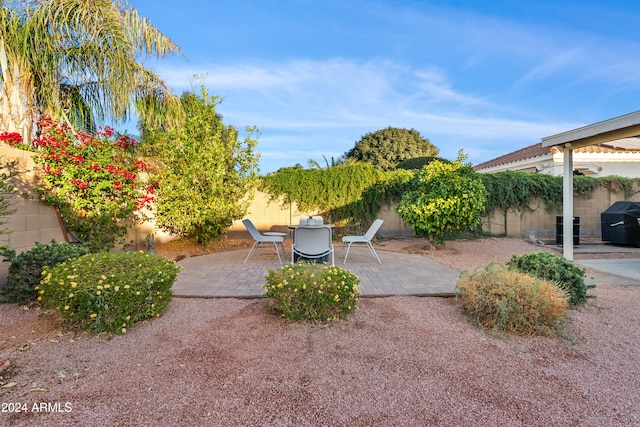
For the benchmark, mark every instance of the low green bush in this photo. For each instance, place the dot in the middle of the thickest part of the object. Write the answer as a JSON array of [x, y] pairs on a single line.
[[511, 301], [26, 268], [109, 292], [547, 266], [312, 292]]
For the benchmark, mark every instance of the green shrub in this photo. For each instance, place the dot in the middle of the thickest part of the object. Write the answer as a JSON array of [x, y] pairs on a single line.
[[511, 301], [550, 267], [26, 268], [418, 162], [313, 292], [446, 197], [109, 292]]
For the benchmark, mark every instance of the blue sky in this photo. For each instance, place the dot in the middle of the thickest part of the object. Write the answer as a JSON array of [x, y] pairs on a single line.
[[486, 77]]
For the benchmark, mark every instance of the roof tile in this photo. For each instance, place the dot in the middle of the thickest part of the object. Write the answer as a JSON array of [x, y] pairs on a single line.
[[537, 150]]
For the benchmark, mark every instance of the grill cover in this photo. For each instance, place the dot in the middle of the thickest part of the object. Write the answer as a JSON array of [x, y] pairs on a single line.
[[620, 223]]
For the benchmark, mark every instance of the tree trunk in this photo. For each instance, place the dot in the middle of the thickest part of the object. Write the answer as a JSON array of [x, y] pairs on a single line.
[[432, 242], [14, 116]]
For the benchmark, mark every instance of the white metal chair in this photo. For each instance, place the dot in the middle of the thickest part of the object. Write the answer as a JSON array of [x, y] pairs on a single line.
[[312, 243], [260, 238], [365, 240]]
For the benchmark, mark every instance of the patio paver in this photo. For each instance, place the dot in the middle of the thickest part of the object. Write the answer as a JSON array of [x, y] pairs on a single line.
[[223, 275]]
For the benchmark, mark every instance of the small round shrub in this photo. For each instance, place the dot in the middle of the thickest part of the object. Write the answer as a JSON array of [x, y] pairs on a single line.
[[511, 301], [109, 292], [547, 266], [26, 268], [312, 292]]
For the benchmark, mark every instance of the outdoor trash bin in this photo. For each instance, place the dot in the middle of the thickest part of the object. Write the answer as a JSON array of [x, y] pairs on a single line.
[[620, 223], [576, 230]]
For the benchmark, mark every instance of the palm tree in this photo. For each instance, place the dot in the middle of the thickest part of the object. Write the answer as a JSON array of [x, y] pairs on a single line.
[[314, 164], [78, 61]]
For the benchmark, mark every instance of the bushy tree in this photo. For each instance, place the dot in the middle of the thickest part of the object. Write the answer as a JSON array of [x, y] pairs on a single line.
[[445, 197], [203, 170], [386, 148]]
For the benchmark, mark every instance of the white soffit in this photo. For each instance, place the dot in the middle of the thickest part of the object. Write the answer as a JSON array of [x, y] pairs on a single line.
[[620, 132], [631, 144]]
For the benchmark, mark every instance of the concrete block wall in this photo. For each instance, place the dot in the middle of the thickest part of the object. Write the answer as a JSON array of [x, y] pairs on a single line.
[[540, 223], [393, 225], [589, 210], [536, 221], [32, 221]]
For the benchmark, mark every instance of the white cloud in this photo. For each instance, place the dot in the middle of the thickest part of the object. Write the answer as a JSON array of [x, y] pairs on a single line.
[[555, 63], [312, 108]]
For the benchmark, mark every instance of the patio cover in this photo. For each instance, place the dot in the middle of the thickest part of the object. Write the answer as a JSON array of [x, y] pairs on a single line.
[[622, 132]]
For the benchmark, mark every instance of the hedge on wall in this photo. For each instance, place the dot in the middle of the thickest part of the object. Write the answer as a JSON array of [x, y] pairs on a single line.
[[349, 194], [352, 194], [515, 190]]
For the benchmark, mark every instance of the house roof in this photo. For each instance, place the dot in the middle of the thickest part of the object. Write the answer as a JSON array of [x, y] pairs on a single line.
[[537, 150]]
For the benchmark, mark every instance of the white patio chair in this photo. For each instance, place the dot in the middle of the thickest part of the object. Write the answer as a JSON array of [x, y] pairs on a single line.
[[312, 243], [363, 240], [260, 238]]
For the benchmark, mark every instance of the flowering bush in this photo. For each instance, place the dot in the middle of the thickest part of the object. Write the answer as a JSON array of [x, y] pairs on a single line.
[[109, 291], [309, 291], [12, 139], [94, 180]]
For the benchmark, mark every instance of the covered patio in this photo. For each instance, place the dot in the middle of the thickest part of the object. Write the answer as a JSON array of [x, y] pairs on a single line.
[[621, 132]]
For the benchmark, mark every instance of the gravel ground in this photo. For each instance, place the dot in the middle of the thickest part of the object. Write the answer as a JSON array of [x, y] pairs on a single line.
[[398, 361]]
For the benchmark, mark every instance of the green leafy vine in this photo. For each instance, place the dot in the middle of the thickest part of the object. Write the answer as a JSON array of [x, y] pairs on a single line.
[[351, 195]]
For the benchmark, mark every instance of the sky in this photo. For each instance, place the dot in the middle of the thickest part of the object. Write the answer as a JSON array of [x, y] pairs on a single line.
[[485, 77]]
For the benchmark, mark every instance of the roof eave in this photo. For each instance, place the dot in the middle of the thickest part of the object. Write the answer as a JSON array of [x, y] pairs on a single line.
[[609, 130]]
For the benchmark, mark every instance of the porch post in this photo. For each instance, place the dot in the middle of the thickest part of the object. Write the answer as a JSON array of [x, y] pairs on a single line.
[[567, 205]]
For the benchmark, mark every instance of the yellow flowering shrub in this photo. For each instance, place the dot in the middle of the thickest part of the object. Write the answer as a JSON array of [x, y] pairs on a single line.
[[312, 292], [511, 301], [109, 292]]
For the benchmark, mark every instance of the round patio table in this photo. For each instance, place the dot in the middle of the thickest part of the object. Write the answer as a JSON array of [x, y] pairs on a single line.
[[275, 233]]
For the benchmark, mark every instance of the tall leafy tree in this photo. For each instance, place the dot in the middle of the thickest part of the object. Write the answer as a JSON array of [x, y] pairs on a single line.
[[80, 62], [386, 148], [203, 170]]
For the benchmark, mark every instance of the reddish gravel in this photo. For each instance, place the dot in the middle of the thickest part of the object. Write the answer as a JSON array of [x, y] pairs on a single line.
[[399, 361]]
